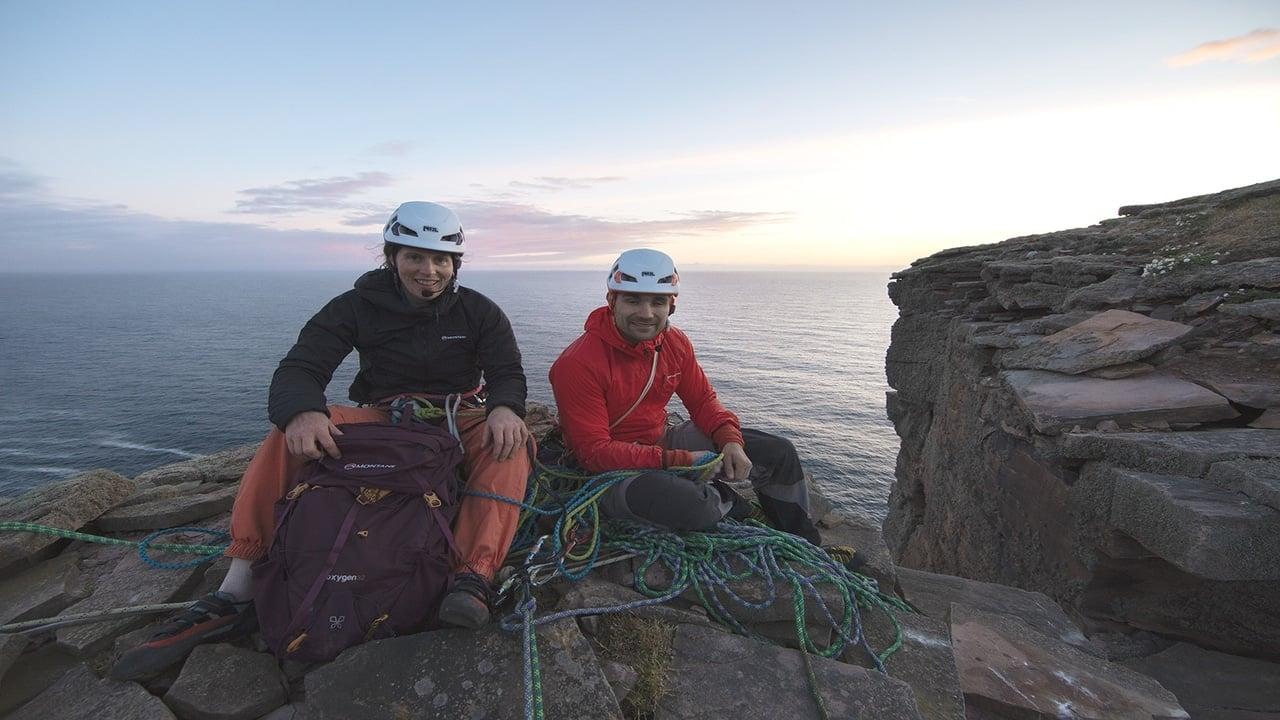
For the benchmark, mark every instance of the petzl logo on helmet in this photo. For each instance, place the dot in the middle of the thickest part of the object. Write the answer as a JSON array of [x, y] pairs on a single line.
[[429, 228], [367, 466]]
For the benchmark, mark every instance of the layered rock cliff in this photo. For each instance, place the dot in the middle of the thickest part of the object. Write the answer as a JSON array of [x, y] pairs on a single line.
[[1095, 414]]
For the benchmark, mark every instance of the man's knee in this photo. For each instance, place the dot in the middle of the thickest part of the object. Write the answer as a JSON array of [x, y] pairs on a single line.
[[771, 451], [673, 502]]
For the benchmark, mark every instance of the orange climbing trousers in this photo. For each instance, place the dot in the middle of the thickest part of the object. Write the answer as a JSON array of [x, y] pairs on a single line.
[[482, 531]]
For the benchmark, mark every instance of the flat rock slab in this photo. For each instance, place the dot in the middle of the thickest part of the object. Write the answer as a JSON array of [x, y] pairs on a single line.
[[43, 590], [934, 594], [925, 661], [1199, 527], [718, 675], [1109, 338], [1118, 289], [1211, 684], [1009, 669], [124, 580], [224, 466], [223, 682], [80, 694], [1261, 309], [461, 674], [169, 512], [69, 505], [1259, 480], [11, 646], [1176, 453], [1056, 401]]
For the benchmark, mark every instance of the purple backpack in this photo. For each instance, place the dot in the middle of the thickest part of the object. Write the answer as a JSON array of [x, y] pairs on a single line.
[[362, 543]]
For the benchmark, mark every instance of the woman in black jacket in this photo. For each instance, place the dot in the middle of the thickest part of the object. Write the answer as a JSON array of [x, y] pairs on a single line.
[[418, 332]]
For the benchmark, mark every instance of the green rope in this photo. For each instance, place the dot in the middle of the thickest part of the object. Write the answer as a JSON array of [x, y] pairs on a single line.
[[86, 537]]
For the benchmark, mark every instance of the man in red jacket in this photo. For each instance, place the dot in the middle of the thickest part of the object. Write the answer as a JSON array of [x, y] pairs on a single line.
[[612, 386]]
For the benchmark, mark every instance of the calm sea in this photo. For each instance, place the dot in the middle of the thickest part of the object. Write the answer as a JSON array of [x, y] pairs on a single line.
[[131, 372]]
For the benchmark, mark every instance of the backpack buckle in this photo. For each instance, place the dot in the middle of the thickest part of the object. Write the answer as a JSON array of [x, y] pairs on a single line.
[[369, 496], [432, 500], [297, 490]]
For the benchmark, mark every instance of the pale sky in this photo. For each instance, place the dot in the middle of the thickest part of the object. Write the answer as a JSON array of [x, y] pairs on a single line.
[[280, 136]]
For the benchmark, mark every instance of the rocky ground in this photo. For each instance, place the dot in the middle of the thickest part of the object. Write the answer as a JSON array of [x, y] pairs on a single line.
[[973, 648], [1094, 414]]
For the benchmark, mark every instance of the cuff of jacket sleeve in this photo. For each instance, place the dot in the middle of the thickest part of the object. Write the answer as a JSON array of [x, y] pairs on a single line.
[[676, 458], [246, 550], [726, 433]]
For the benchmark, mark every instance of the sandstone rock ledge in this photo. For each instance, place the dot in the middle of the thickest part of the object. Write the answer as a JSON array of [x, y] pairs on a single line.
[[668, 661], [1091, 414]]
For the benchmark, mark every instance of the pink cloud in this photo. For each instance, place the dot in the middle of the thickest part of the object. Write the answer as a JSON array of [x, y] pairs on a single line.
[[1253, 47]]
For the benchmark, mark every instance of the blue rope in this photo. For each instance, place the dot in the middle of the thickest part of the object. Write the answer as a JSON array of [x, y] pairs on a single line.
[[218, 535]]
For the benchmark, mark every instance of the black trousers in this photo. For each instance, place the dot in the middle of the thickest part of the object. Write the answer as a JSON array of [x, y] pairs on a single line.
[[669, 500]]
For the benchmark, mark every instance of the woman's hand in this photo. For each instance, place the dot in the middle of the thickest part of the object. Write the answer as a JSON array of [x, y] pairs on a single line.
[[505, 432], [310, 434], [735, 465]]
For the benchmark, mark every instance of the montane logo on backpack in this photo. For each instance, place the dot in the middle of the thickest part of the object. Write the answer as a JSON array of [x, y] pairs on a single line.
[[344, 578], [367, 466]]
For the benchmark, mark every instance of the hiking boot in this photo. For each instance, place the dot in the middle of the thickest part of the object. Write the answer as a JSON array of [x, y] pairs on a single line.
[[467, 604], [214, 617]]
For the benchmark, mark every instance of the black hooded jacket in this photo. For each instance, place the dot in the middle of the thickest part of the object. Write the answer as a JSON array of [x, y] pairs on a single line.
[[438, 348]]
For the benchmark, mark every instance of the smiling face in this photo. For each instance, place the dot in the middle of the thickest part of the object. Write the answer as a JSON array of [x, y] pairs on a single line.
[[424, 273], [640, 316]]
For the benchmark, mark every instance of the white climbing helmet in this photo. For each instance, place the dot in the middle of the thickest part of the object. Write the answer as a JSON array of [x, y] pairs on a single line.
[[425, 225], [644, 271]]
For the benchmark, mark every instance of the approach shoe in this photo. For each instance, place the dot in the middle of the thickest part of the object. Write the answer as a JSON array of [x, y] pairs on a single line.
[[216, 616], [467, 604], [847, 556]]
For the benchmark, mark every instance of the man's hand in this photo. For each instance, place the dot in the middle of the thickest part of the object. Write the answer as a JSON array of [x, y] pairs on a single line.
[[735, 465], [310, 434], [505, 432]]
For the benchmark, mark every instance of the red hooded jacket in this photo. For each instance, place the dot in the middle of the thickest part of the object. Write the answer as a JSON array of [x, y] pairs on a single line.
[[600, 375]]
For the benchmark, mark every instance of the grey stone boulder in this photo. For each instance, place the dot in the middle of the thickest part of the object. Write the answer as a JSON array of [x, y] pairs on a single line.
[[925, 661], [121, 579], [933, 594], [80, 694], [461, 674], [1118, 289], [1259, 480], [1123, 370], [11, 647], [718, 675], [1197, 526], [43, 590], [223, 682], [169, 512], [1215, 685], [1175, 453], [1261, 309], [1058, 402], [69, 505], [292, 711], [622, 678], [1011, 670], [1201, 303], [224, 466], [1108, 338], [1268, 420], [37, 669]]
